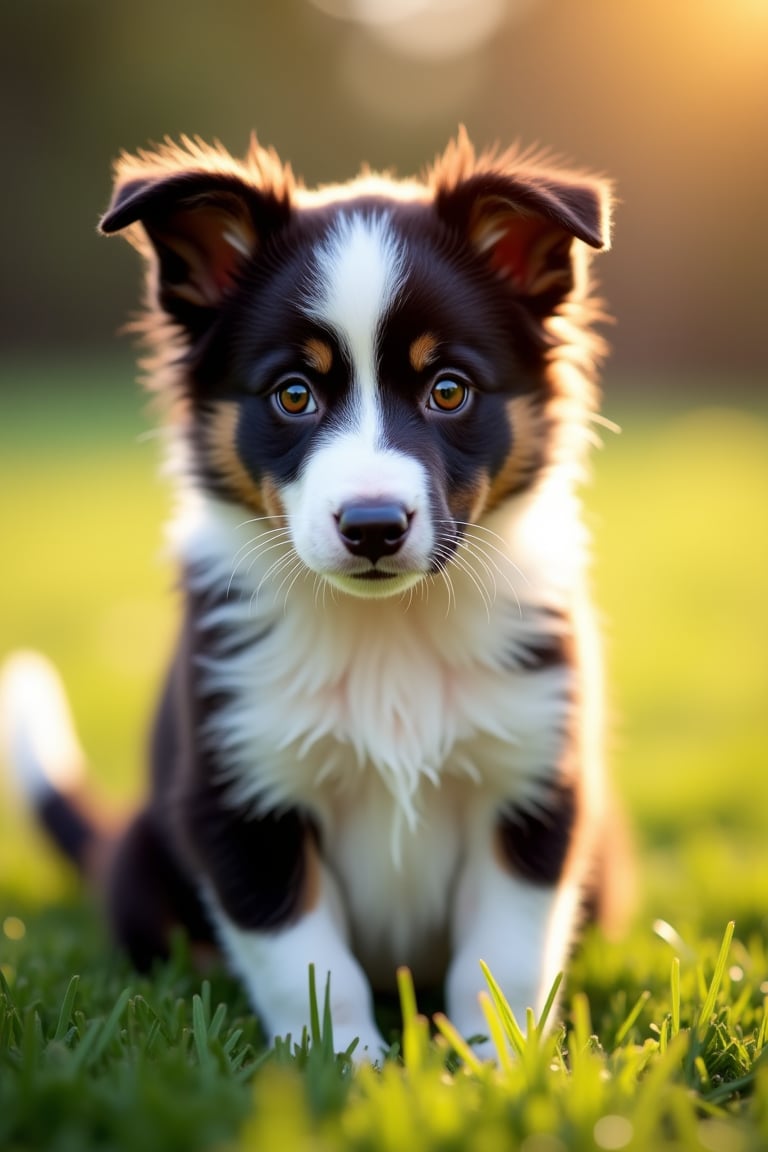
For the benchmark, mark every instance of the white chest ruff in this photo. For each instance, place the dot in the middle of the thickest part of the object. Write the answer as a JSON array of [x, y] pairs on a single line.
[[393, 723]]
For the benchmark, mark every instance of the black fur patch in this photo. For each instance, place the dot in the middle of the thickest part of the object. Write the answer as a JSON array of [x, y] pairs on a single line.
[[149, 895], [63, 821], [256, 865], [548, 652], [535, 842]]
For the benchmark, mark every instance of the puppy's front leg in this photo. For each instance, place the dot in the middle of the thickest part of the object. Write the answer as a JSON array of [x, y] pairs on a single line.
[[271, 954], [516, 914]]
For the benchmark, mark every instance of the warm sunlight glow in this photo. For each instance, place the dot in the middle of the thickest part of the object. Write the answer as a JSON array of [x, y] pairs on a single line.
[[428, 29]]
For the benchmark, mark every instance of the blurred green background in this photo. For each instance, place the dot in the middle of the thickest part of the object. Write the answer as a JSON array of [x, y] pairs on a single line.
[[668, 98]]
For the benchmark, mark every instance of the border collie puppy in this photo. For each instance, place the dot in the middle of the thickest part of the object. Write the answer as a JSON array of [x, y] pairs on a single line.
[[379, 741]]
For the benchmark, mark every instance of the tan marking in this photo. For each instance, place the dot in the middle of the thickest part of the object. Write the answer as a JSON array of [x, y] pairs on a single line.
[[423, 351], [468, 503], [499, 854], [528, 433], [319, 355], [221, 434], [273, 502], [312, 889]]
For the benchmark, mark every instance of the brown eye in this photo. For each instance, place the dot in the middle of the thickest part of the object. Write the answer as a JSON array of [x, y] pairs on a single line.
[[294, 397], [449, 393]]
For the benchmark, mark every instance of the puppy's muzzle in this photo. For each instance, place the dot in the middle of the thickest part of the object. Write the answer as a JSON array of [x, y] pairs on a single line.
[[373, 529]]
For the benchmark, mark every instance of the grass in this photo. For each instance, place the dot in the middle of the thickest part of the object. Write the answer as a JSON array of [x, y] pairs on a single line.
[[663, 1033]]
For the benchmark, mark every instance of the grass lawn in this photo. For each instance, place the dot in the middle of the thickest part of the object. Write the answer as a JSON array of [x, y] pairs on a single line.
[[662, 1044]]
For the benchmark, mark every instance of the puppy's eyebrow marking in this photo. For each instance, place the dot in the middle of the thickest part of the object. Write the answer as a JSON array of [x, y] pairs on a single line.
[[319, 355], [423, 351]]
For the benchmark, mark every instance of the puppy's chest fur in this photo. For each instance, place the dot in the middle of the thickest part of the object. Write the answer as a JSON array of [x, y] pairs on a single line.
[[398, 731]]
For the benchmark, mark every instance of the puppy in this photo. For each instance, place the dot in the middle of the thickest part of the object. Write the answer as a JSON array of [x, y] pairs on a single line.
[[379, 742]]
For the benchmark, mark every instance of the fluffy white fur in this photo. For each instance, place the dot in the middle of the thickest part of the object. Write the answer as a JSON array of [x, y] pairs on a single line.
[[350, 465], [359, 274], [36, 728], [389, 715]]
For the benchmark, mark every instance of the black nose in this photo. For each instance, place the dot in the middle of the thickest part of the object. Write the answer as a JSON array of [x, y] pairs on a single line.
[[373, 530]]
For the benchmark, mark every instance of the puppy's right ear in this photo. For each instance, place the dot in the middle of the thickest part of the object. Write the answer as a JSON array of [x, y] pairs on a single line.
[[197, 229]]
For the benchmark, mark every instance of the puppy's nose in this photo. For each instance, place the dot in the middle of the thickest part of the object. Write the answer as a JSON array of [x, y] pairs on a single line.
[[373, 529]]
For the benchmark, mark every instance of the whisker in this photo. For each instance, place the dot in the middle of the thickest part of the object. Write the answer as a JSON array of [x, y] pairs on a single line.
[[267, 533], [463, 564], [473, 550], [274, 570], [255, 549], [276, 567], [284, 562], [488, 532], [258, 520], [490, 551], [257, 553], [486, 558], [287, 566], [446, 578], [298, 568], [446, 555]]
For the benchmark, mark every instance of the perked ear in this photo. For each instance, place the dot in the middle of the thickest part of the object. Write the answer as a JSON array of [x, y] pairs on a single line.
[[203, 218], [524, 218]]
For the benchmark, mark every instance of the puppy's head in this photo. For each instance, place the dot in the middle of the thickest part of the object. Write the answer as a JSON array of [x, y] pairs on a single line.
[[377, 363]]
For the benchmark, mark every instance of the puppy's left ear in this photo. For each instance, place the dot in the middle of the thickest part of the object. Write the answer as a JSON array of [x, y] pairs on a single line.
[[525, 222]]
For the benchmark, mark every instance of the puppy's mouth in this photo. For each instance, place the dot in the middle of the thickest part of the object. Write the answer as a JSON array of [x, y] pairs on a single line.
[[377, 574], [373, 583]]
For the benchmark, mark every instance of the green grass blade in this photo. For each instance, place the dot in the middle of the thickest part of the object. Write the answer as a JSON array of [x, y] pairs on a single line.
[[496, 1031], [623, 1031], [200, 1034], [458, 1043], [67, 1006], [511, 1026], [315, 1031], [217, 1023], [110, 1026], [675, 992], [327, 1043], [708, 1007], [549, 1003]]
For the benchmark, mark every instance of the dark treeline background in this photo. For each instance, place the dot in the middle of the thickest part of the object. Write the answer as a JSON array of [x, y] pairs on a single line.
[[670, 97]]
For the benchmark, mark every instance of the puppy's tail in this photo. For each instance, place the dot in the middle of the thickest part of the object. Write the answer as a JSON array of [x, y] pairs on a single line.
[[47, 764]]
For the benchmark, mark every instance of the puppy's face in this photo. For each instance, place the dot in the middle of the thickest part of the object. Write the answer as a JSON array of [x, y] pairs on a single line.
[[371, 395], [367, 367]]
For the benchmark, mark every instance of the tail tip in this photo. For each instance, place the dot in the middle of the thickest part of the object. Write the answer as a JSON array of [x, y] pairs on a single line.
[[37, 733]]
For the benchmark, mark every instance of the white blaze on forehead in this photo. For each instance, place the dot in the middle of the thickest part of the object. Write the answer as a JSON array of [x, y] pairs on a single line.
[[360, 268]]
